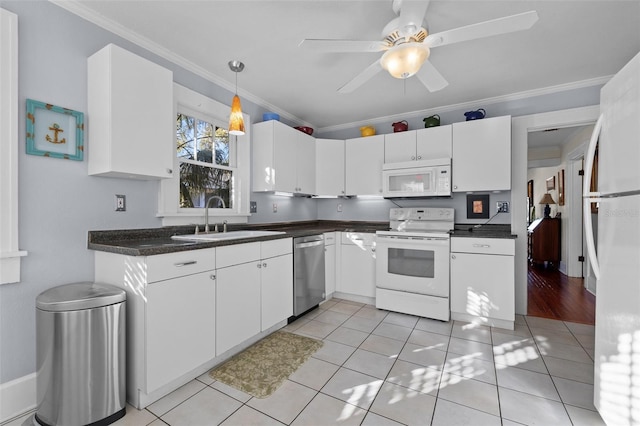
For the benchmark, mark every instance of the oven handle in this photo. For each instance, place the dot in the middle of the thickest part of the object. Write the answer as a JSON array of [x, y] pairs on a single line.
[[403, 238]]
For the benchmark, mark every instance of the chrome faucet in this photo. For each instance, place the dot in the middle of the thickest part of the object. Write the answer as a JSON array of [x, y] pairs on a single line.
[[206, 211]]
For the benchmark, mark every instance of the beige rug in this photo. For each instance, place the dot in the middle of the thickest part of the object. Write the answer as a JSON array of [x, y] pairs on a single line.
[[260, 369]]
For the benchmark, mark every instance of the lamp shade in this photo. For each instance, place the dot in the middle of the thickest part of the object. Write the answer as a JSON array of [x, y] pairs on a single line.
[[404, 60], [236, 122], [546, 199]]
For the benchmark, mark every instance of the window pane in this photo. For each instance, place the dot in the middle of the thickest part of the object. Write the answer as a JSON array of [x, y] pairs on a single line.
[[185, 137], [204, 142], [199, 183], [222, 146]]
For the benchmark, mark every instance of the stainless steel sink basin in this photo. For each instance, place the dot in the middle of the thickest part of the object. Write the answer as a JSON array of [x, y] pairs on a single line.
[[221, 236]]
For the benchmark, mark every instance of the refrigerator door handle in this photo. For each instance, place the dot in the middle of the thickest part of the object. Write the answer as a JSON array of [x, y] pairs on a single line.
[[589, 197]]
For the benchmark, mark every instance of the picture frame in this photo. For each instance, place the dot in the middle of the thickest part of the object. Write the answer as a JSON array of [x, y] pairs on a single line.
[[54, 131], [551, 183], [477, 206], [530, 192], [561, 187]]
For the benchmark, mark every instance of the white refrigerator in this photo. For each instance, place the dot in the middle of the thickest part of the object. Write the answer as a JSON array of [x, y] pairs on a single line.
[[616, 260]]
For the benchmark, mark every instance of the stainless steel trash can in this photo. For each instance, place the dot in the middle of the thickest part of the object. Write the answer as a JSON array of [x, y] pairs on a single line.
[[80, 344]]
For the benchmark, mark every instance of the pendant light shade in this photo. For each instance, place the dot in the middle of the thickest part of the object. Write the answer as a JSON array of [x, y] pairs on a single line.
[[236, 121]]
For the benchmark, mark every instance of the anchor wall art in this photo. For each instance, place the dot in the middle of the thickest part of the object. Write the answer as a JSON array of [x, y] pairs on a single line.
[[53, 131]]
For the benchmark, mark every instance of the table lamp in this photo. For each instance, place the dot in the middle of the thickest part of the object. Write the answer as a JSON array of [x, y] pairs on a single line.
[[546, 200]]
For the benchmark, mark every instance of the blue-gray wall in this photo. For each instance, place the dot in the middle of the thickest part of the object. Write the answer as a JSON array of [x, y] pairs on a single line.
[[59, 202]]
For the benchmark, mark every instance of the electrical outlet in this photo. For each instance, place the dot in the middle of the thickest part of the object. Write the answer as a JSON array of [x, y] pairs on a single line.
[[253, 207], [502, 206], [275, 208], [339, 208], [121, 203]]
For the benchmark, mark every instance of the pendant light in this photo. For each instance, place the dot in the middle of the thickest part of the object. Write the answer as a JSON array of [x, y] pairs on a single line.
[[236, 122]]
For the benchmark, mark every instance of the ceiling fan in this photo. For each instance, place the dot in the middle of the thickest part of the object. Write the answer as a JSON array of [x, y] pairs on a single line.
[[407, 44]]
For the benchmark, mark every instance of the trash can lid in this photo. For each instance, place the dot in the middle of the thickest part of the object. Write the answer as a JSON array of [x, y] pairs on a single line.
[[77, 296]]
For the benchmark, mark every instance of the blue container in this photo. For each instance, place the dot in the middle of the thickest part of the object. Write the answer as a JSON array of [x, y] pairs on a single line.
[[270, 116]]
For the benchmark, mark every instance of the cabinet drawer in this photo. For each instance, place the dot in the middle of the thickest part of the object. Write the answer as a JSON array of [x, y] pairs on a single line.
[[503, 246], [165, 266], [329, 238], [358, 238], [275, 248], [236, 254]]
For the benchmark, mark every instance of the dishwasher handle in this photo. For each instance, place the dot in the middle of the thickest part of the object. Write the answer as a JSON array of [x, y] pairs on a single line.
[[311, 244]]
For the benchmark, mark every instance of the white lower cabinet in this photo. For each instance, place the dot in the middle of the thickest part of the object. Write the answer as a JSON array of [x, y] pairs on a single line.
[[483, 281], [254, 290], [330, 263], [358, 264], [237, 304], [180, 326]]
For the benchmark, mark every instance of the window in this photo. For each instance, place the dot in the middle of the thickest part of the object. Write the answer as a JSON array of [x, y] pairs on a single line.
[[207, 161], [211, 164]]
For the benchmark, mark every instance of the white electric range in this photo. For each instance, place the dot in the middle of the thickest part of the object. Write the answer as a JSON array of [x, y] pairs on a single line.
[[412, 262]]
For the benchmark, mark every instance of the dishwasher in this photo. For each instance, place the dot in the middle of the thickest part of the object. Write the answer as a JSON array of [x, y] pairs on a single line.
[[308, 272]]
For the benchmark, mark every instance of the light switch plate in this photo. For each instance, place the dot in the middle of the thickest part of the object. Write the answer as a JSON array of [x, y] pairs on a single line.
[[253, 207]]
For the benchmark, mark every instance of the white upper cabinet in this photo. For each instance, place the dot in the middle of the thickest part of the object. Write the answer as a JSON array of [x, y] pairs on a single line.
[[330, 167], [414, 145], [482, 155], [363, 165], [283, 159], [131, 126]]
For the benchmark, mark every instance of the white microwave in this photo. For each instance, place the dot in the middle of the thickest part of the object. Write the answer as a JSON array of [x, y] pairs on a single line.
[[426, 178]]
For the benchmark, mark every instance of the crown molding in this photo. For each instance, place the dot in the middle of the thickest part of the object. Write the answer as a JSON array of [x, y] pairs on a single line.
[[90, 15]]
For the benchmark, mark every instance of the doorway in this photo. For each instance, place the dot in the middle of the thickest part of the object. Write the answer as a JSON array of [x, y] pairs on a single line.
[[554, 173]]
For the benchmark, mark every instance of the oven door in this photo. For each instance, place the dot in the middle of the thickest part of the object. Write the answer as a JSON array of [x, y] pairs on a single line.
[[413, 264]]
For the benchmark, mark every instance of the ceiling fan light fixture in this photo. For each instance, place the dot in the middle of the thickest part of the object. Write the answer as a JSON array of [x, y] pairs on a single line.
[[404, 60], [236, 120]]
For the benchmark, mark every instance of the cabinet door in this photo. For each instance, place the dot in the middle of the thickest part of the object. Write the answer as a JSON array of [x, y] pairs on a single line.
[[237, 305], [180, 326], [330, 167], [285, 157], [330, 269], [482, 155], [306, 164], [399, 147], [433, 143], [130, 102], [483, 285], [358, 270], [363, 165], [277, 290]]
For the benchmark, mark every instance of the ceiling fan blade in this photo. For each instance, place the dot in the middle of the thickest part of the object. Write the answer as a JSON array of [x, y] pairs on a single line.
[[361, 78], [508, 24], [411, 15], [327, 45], [431, 77]]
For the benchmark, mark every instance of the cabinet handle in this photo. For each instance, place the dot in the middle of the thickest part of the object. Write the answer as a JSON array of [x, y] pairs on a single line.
[[482, 245], [264, 265], [259, 265], [169, 171], [190, 262], [213, 277], [419, 157], [413, 157], [453, 256], [455, 186], [373, 249]]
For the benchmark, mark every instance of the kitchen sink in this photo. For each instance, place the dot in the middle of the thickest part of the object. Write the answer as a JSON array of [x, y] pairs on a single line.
[[222, 236]]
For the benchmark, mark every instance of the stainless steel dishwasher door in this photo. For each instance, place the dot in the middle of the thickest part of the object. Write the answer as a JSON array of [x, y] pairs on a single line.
[[308, 269]]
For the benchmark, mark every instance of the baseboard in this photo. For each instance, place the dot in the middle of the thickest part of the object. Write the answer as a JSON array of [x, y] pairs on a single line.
[[562, 267], [17, 397]]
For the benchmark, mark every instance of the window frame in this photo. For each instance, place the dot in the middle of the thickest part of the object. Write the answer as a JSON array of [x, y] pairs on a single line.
[[197, 105], [10, 254]]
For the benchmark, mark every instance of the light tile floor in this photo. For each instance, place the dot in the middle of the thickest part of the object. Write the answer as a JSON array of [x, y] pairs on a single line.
[[384, 368]]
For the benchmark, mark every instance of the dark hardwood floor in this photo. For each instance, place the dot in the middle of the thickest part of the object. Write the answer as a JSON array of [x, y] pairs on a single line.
[[552, 294]]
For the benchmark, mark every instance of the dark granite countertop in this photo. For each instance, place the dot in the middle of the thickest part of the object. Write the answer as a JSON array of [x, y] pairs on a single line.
[[151, 241], [485, 231]]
